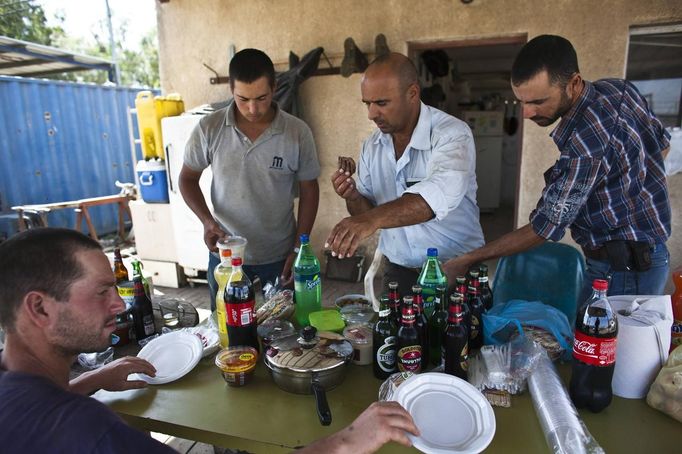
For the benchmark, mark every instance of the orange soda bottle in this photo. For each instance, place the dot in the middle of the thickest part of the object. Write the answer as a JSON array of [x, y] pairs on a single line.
[[676, 339]]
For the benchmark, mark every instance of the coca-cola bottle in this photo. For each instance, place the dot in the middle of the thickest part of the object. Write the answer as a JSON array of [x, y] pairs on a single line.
[[384, 341], [594, 351], [409, 348], [477, 309], [456, 340], [240, 304], [421, 323], [486, 293], [394, 302]]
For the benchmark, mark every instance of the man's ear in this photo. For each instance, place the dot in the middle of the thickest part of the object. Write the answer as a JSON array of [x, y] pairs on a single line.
[[39, 308], [413, 91]]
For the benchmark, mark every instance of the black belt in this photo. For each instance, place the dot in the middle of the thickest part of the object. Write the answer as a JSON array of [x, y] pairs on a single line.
[[596, 254], [623, 255]]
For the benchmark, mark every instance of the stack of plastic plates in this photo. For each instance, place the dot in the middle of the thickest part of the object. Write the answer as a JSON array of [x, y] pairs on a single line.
[[452, 415]]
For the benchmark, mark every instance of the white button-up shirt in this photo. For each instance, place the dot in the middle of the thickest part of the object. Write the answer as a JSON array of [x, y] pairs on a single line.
[[439, 164]]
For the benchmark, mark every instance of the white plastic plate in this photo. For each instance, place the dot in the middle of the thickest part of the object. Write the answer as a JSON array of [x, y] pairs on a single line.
[[173, 355], [452, 415]]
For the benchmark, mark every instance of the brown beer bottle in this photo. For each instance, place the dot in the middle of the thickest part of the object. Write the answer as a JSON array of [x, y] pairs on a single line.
[[421, 323], [143, 315], [456, 340], [477, 310], [120, 271], [409, 348], [394, 302]]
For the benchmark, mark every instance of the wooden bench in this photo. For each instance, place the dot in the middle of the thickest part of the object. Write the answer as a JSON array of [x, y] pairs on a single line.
[[80, 207]]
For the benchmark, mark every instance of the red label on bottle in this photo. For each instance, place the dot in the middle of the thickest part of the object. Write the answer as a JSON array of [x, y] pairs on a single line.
[[240, 314], [595, 351]]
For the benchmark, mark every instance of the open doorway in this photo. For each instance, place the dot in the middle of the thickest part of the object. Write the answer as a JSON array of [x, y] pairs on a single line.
[[469, 79]]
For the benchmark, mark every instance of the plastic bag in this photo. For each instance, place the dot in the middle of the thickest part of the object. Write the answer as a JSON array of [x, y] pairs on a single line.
[[504, 320]]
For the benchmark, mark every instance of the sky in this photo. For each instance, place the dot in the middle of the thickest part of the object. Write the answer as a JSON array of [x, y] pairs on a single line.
[[82, 16]]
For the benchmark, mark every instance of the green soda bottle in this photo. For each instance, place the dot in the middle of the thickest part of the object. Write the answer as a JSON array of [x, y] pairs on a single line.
[[307, 282], [431, 277]]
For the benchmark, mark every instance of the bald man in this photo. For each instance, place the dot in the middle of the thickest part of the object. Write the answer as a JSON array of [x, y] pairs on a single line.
[[416, 178]]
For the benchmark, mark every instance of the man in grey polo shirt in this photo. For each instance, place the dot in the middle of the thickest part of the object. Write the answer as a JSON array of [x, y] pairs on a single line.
[[260, 157]]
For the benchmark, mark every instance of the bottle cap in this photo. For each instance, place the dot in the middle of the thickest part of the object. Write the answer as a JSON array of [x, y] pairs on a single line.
[[237, 261], [600, 284], [305, 237], [226, 252], [432, 252]]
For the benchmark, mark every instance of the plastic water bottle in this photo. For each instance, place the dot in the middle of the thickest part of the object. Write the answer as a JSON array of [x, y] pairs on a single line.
[[430, 278], [307, 282]]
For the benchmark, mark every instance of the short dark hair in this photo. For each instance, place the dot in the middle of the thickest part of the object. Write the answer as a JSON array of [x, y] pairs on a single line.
[[551, 53], [249, 65], [40, 259]]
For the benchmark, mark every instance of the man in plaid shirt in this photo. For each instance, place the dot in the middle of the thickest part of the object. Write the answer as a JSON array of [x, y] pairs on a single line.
[[608, 185]]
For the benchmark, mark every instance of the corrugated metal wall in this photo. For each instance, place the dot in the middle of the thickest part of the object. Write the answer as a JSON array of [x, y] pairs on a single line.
[[64, 141]]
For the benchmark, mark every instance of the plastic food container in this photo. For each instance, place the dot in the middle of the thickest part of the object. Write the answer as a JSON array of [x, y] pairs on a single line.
[[329, 320], [272, 329], [237, 364], [360, 337], [355, 309]]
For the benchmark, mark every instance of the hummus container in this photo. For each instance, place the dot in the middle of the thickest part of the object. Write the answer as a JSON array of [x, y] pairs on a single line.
[[360, 337], [237, 364]]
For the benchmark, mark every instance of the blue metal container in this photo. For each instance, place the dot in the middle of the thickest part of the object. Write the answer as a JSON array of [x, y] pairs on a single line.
[[64, 141]]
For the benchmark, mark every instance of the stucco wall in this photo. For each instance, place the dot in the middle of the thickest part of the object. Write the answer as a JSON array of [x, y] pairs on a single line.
[[192, 32]]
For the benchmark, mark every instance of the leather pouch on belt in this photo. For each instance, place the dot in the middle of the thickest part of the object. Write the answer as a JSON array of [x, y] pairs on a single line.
[[628, 255], [641, 255], [619, 255]]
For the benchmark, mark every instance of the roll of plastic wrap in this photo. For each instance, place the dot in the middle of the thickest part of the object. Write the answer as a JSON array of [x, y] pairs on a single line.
[[644, 324]]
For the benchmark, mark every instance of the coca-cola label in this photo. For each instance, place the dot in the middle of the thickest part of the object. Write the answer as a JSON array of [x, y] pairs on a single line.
[[240, 314], [595, 351], [386, 355], [410, 359]]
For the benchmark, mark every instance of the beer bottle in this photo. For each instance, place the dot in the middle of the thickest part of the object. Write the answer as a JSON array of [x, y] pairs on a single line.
[[384, 341], [143, 315], [120, 271], [486, 292], [437, 324], [240, 304], [421, 323], [394, 302], [456, 340], [409, 349], [477, 309], [137, 271], [461, 291]]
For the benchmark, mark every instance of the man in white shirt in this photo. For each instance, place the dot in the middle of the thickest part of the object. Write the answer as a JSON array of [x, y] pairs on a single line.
[[416, 177]]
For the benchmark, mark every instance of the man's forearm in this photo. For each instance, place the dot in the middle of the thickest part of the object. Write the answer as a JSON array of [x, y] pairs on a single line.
[[409, 209], [517, 241], [358, 206], [308, 203]]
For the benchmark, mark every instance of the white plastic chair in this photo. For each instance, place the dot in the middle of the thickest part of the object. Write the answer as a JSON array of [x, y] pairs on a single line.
[[369, 278]]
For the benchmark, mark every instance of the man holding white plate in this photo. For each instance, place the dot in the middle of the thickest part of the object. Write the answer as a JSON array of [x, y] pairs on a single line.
[[57, 299]]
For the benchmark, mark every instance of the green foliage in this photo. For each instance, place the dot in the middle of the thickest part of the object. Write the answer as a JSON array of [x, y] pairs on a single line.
[[22, 19], [138, 67]]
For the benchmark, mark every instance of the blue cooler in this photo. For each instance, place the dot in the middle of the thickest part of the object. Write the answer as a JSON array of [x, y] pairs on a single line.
[[153, 181]]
